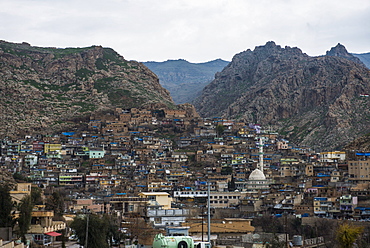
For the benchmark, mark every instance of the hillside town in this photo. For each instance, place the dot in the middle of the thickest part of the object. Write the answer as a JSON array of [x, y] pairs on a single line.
[[160, 168]]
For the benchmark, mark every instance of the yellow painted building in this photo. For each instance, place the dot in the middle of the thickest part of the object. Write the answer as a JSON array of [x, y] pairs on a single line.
[[52, 147], [21, 190], [158, 198]]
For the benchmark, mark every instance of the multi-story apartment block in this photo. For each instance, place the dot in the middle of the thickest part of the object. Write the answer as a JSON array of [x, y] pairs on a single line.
[[21, 190], [95, 153], [217, 199], [157, 198], [162, 218], [71, 179], [128, 205], [348, 203], [51, 147], [359, 170], [332, 157], [325, 206]]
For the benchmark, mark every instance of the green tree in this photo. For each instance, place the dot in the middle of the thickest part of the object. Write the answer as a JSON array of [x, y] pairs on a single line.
[[231, 185], [36, 195], [347, 234], [97, 230], [6, 207], [25, 215], [112, 229], [220, 129], [56, 202], [20, 178]]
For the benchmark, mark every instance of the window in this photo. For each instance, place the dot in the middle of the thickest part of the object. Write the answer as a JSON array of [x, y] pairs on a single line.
[[157, 220]]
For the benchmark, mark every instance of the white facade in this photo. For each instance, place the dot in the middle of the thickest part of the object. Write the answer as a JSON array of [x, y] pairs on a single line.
[[167, 217], [332, 157]]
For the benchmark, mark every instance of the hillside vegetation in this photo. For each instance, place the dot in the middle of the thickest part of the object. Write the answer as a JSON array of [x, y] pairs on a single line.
[[48, 89]]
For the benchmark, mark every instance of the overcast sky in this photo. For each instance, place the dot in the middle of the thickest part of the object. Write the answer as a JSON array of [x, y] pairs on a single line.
[[195, 30]]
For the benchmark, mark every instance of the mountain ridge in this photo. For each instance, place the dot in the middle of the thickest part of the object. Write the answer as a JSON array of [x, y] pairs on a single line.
[[184, 79], [364, 57], [314, 101], [48, 89]]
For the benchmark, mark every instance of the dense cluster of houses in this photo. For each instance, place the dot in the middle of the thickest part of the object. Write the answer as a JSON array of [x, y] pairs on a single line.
[[164, 166]]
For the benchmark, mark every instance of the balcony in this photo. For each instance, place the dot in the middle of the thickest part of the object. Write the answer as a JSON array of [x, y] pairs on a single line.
[[42, 213]]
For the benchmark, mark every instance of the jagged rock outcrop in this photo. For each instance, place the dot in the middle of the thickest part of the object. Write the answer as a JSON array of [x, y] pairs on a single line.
[[340, 51], [190, 110], [315, 101], [48, 89]]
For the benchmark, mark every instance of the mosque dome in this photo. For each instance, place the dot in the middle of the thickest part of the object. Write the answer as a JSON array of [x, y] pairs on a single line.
[[257, 175]]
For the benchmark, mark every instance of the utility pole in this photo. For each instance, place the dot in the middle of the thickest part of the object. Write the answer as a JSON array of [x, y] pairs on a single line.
[[202, 224], [87, 230], [209, 212], [286, 229]]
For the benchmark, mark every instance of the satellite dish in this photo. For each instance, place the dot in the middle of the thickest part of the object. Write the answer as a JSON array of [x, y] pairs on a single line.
[[256, 236]]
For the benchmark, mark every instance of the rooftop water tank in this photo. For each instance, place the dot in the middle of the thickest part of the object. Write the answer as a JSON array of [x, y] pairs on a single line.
[[297, 240]]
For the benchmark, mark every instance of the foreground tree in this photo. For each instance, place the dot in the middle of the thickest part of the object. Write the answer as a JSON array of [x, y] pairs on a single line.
[[95, 228], [6, 206], [138, 230], [36, 197], [113, 233], [220, 130], [25, 215], [347, 234], [56, 202]]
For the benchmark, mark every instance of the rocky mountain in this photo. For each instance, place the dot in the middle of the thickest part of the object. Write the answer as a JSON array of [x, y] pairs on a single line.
[[48, 89], [360, 144], [340, 51], [321, 102], [183, 79], [364, 57]]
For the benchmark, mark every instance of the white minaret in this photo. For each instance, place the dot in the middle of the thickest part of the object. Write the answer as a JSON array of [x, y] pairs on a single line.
[[260, 144]]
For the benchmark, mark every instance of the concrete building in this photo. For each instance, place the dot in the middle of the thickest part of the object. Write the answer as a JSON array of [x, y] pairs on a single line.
[[162, 218], [157, 199], [359, 170]]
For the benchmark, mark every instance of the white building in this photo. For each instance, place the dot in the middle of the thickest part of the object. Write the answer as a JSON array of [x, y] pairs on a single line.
[[332, 157], [162, 218]]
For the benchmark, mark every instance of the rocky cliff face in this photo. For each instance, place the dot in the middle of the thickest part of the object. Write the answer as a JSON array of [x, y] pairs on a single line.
[[315, 101], [340, 51], [47, 89]]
